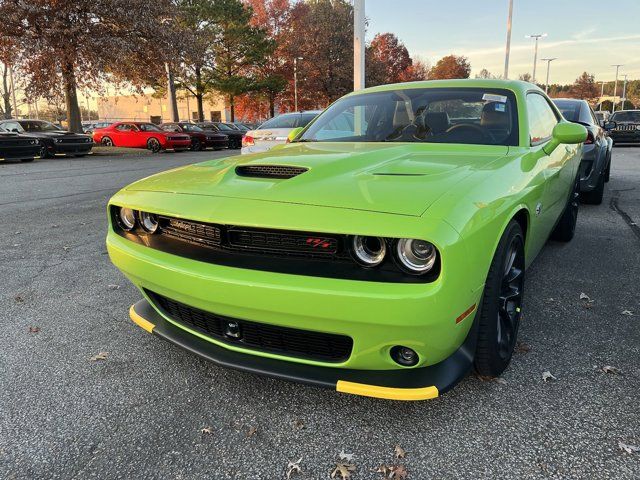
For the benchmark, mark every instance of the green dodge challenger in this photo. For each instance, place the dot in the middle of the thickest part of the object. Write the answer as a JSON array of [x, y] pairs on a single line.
[[382, 252]]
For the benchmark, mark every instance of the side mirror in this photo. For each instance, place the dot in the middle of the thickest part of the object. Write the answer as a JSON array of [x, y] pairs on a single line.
[[293, 134], [610, 125], [565, 132]]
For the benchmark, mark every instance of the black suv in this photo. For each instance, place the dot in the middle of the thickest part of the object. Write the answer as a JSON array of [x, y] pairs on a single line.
[[53, 140], [624, 126]]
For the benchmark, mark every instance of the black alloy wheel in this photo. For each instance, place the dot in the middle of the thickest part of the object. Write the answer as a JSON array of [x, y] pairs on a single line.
[[153, 144], [196, 144], [501, 308], [107, 142]]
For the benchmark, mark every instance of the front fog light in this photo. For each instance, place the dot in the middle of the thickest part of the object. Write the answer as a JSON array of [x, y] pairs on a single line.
[[369, 251], [149, 221], [404, 356], [417, 256], [127, 218]]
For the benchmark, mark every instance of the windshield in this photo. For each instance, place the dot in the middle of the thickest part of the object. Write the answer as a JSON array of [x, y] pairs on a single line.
[[222, 126], [149, 127], [431, 115], [187, 127], [288, 120], [40, 126], [626, 117], [569, 110]]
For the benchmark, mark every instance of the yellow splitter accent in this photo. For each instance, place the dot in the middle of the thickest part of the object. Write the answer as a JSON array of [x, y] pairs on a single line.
[[141, 322], [389, 393]]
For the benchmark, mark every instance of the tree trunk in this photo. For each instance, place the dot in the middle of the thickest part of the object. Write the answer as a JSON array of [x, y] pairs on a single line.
[[74, 120], [272, 106], [6, 94], [232, 107], [199, 95]]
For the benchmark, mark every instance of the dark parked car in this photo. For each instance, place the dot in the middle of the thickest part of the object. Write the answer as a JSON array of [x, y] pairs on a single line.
[[53, 140], [90, 127], [200, 139], [235, 136], [14, 146], [596, 152], [624, 126]]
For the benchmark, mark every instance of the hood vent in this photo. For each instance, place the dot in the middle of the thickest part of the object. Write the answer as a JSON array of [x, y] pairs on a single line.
[[269, 171]]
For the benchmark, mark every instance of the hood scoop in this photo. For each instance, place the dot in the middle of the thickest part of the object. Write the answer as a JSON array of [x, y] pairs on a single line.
[[269, 171]]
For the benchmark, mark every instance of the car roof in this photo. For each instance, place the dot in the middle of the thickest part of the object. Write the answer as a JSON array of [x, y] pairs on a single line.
[[514, 85]]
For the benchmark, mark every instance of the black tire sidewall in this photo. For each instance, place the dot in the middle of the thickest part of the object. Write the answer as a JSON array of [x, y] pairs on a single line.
[[487, 359]]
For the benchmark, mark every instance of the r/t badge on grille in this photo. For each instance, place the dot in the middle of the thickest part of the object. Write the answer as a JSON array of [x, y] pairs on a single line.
[[232, 330]]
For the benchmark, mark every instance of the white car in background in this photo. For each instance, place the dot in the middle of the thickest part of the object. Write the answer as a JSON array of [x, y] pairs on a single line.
[[275, 131]]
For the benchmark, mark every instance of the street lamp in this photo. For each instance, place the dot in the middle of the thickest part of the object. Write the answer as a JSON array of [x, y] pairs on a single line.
[[624, 92], [615, 87], [295, 82], [548, 60], [601, 95], [508, 48], [537, 36]]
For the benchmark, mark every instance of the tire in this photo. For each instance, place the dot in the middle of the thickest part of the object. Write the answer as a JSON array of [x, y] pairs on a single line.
[[607, 172], [566, 227], [107, 142], [196, 145], [153, 144], [501, 307], [594, 197], [44, 152]]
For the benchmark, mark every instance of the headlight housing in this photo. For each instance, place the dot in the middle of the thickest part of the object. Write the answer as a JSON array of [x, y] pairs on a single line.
[[416, 256], [149, 222], [369, 251], [127, 218]]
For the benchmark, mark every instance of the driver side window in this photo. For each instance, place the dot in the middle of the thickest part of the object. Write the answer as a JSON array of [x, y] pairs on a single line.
[[124, 127], [542, 118]]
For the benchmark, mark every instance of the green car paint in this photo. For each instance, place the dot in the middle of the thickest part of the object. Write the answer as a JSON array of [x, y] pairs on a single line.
[[459, 197]]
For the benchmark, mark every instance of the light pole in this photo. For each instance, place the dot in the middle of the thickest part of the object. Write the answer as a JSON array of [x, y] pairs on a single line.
[[615, 87], [295, 82], [358, 44], [537, 37], [624, 92], [508, 48], [601, 95], [548, 60]]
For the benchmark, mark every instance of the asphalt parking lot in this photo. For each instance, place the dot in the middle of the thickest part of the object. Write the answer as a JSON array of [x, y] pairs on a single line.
[[150, 410]]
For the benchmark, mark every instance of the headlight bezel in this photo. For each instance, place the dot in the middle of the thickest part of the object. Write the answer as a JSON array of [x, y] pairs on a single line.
[[409, 261], [127, 224]]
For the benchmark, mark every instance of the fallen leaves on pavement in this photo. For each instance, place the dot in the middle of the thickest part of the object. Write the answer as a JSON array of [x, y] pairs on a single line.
[[344, 470], [546, 376], [611, 369], [298, 424], [251, 432], [34, 329], [99, 356], [522, 347], [628, 448], [628, 313], [113, 286], [487, 378], [588, 303], [347, 457], [206, 431], [393, 472], [399, 452], [293, 468]]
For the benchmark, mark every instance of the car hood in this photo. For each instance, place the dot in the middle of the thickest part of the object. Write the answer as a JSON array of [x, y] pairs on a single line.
[[270, 133], [400, 179], [56, 134]]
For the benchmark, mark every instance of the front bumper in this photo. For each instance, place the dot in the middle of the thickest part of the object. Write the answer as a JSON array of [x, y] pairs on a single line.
[[217, 143], [19, 152], [178, 144], [71, 148], [625, 136], [406, 384]]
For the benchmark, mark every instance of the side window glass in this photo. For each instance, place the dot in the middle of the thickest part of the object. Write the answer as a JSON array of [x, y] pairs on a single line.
[[541, 117]]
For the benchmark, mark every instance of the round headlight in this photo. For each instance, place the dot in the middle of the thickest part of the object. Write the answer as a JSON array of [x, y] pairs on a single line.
[[127, 218], [417, 256], [369, 251], [149, 221]]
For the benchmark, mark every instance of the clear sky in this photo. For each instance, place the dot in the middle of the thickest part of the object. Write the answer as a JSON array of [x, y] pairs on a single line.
[[585, 35]]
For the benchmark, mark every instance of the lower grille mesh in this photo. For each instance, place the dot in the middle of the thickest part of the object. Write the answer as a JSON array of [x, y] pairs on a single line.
[[286, 341]]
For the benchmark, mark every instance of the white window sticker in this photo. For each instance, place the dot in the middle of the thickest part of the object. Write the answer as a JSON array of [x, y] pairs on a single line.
[[490, 97], [501, 107]]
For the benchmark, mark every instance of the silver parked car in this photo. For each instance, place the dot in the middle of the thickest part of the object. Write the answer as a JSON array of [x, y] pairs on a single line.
[[275, 131]]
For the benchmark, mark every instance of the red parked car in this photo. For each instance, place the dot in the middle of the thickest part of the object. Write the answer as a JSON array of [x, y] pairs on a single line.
[[200, 139], [141, 135]]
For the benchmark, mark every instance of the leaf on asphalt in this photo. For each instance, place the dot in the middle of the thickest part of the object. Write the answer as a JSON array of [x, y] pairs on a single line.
[[611, 369], [487, 378], [393, 472], [19, 299], [347, 457], [99, 356], [293, 468], [298, 424], [399, 452], [18, 233], [54, 226], [628, 448], [629, 313], [66, 248], [584, 296], [206, 431], [500, 381], [112, 286], [34, 329], [546, 376], [522, 347], [344, 470], [251, 432]]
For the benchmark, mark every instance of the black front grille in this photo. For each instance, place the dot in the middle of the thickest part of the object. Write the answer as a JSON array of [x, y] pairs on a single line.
[[323, 347], [74, 140], [627, 128], [282, 242], [269, 171], [192, 232]]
